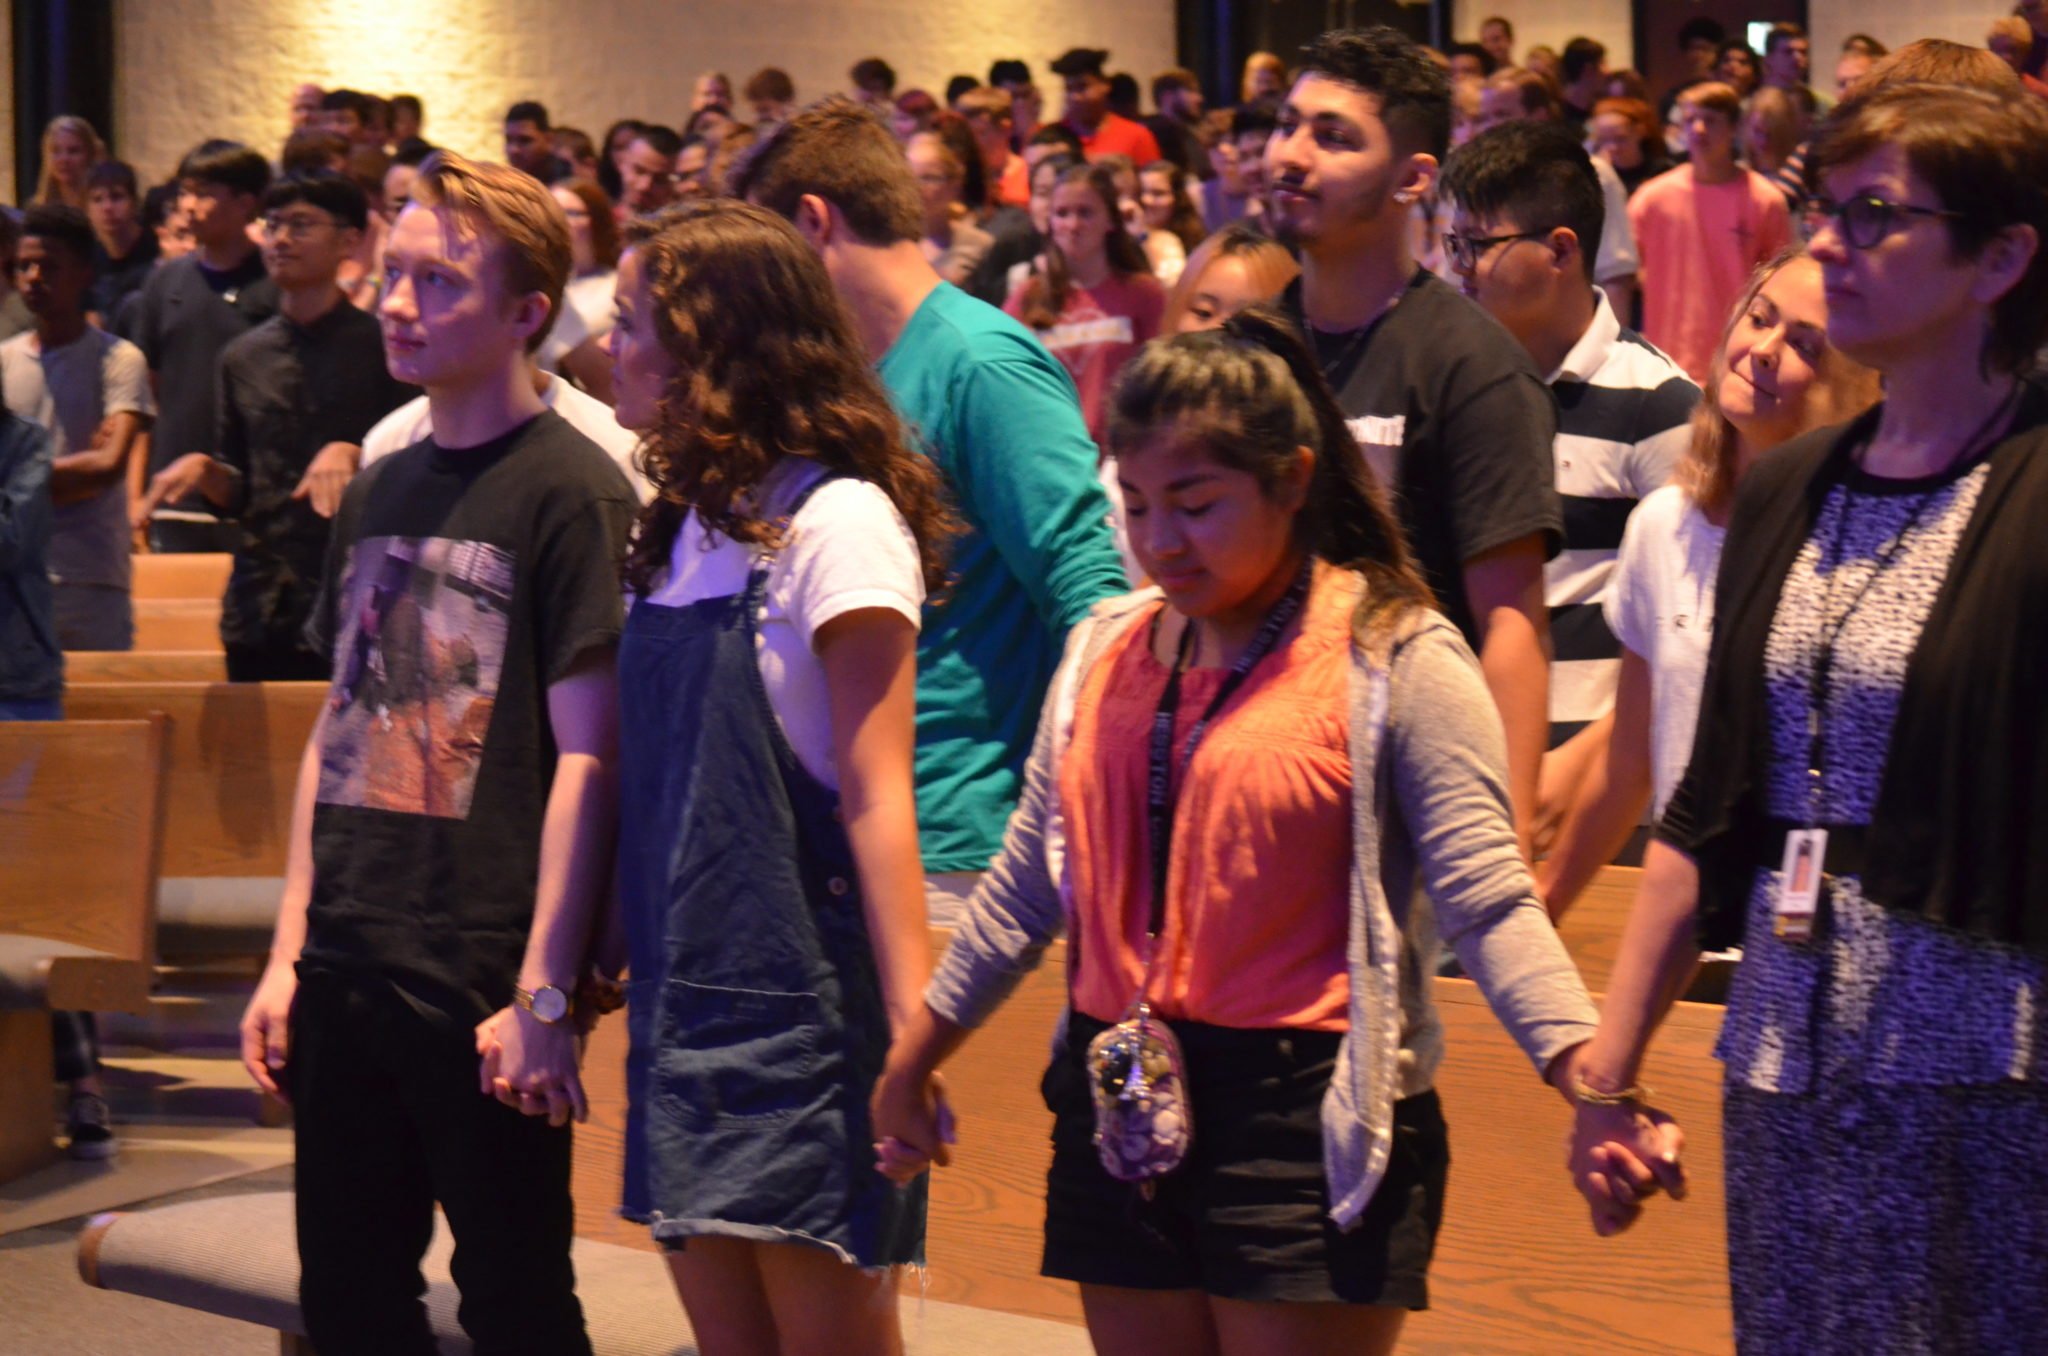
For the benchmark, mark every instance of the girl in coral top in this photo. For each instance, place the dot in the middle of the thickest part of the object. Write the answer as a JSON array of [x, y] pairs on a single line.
[[1248, 954]]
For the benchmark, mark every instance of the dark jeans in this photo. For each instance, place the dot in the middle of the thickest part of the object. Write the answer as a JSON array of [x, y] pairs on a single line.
[[389, 1122], [275, 664]]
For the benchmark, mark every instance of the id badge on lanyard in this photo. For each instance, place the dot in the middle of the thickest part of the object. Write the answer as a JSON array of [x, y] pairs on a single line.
[[1799, 883]]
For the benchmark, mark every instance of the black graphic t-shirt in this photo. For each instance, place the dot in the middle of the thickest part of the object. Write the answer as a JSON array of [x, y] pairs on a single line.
[[1454, 420], [460, 583]]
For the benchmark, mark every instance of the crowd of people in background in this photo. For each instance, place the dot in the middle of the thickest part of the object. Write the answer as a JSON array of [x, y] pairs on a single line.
[[1433, 392]]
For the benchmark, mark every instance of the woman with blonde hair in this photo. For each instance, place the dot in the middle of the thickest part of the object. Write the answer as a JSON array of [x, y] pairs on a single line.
[[1773, 127], [1775, 377], [70, 149], [1265, 77], [1234, 268]]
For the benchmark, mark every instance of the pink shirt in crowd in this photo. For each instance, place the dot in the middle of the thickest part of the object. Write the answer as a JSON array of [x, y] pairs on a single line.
[[1098, 331], [1700, 243]]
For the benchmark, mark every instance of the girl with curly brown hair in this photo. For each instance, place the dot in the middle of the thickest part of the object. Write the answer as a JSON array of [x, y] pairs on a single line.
[[771, 888]]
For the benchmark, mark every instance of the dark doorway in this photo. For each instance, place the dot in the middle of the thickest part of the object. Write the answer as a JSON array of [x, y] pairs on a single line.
[[1657, 23]]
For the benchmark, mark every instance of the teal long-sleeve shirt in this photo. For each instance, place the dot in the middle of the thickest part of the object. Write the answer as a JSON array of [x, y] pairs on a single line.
[[1000, 417]]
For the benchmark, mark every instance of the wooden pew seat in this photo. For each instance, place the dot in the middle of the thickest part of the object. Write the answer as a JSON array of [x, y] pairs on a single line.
[[81, 826]]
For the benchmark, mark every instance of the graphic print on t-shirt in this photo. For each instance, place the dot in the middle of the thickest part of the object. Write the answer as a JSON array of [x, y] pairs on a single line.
[[420, 648], [1379, 437]]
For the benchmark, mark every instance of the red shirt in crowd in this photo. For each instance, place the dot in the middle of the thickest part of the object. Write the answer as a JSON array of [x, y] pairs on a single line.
[[1097, 332], [1118, 136]]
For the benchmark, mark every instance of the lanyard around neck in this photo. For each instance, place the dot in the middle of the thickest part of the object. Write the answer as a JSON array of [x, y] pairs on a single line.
[[1159, 780], [1828, 628]]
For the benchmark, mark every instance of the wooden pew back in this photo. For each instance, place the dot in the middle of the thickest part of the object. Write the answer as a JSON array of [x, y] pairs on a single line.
[[145, 666], [181, 575], [233, 767], [1591, 928], [177, 623], [81, 832], [1517, 1269]]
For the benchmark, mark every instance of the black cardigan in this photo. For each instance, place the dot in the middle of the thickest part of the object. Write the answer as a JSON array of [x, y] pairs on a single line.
[[1959, 833]]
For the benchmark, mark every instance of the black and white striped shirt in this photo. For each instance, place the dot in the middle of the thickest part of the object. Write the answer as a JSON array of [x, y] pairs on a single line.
[[1623, 416]]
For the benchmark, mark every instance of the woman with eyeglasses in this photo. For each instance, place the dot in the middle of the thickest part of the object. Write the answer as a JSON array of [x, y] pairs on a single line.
[[1861, 809]]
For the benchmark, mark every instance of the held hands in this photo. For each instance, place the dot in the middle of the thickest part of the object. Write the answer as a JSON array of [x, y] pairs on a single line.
[[913, 1125], [1619, 1156], [531, 1066], [328, 477], [266, 1027]]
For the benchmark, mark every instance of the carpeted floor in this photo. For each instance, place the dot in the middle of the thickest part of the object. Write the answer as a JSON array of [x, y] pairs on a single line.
[[50, 1312]]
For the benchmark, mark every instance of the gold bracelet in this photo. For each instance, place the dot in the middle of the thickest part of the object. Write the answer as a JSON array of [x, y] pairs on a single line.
[[1633, 1095]]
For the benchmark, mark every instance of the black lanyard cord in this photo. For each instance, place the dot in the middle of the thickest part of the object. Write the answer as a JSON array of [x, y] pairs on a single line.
[[1827, 633], [1159, 780]]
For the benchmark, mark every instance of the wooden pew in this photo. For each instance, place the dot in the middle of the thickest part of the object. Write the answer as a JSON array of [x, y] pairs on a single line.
[[177, 623], [81, 832], [181, 575], [1518, 1269], [234, 764], [146, 666], [1591, 928]]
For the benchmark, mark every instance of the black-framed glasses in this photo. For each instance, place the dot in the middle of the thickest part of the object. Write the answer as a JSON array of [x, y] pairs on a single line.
[[1866, 219], [295, 228], [1465, 251]]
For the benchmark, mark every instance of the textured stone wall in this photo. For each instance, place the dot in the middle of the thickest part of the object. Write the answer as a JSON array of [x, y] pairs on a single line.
[[1894, 23], [1553, 23], [189, 69]]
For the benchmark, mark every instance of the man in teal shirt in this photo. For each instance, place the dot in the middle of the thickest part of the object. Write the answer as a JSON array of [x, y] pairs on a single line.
[[1000, 417]]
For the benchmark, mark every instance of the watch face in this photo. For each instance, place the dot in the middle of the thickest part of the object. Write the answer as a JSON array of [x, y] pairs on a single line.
[[550, 1004]]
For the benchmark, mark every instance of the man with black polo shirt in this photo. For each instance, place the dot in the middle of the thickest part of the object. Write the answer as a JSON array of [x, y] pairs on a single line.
[[297, 395], [190, 310], [1524, 200], [1449, 411]]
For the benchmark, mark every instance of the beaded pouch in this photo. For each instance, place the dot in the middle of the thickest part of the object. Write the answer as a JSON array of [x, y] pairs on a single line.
[[1138, 1077]]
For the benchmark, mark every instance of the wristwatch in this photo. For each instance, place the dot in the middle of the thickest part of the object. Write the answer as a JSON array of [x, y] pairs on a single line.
[[548, 1004]]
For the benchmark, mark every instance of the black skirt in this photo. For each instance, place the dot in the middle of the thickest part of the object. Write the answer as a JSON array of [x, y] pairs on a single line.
[[1247, 1216]]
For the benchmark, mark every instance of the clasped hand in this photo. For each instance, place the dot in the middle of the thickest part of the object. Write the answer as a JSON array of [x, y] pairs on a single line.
[[912, 1123], [531, 1066], [1619, 1156]]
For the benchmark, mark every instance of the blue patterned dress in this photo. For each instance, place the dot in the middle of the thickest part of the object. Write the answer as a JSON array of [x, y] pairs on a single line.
[[1886, 1111]]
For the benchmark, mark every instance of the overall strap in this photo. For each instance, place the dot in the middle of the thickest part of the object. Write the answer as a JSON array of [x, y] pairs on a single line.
[[757, 578]]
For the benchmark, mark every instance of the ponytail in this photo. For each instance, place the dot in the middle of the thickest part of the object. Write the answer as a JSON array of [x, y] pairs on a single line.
[[1252, 393]]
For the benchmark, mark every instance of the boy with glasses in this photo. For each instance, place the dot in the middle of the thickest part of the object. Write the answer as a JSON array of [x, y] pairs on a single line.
[[297, 395], [1525, 205]]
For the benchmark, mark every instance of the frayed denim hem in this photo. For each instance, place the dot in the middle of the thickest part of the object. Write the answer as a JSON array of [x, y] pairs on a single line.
[[667, 1230]]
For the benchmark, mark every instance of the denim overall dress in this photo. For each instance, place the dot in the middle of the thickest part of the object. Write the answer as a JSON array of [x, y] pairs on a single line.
[[755, 1009]]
